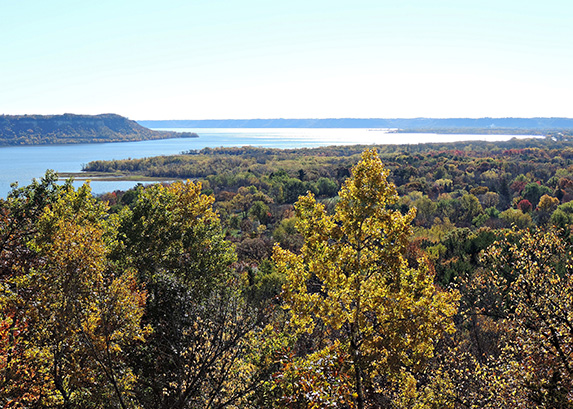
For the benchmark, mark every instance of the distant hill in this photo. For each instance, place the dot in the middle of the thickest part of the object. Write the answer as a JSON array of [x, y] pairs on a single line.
[[400, 123], [69, 128]]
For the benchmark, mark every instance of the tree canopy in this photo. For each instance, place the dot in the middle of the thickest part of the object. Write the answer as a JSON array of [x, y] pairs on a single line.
[[352, 281]]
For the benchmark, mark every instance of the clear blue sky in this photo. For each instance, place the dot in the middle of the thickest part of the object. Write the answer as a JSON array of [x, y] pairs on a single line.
[[203, 59]]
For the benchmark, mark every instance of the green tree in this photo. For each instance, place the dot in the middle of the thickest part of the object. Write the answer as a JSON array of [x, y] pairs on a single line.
[[260, 211], [245, 198], [471, 207], [352, 281], [563, 216], [517, 217], [533, 192], [287, 235], [426, 210], [195, 356], [326, 187]]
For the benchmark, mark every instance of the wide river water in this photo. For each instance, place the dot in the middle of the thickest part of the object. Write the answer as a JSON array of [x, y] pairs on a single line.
[[22, 163]]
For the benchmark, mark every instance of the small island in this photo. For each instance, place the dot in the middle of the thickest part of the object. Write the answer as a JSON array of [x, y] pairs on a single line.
[[70, 128]]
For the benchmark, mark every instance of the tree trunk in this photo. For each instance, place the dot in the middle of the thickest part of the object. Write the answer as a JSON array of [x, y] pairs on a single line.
[[357, 366]]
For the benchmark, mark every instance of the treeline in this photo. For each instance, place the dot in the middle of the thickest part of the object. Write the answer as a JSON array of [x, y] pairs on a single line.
[[552, 133], [69, 128], [422, 276], [501, 176], [399, 123], [459, 190], [479, 131]]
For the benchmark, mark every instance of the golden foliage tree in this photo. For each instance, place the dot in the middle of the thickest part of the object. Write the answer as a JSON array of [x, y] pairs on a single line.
[[77, 310], [352, 282], [532, 274]]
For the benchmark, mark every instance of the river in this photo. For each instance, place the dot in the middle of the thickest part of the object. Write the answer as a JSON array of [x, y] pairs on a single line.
[[22, 163]]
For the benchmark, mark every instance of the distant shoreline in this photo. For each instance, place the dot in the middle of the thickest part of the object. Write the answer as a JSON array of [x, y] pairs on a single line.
[[83, 176], [402, 125], [480, 131]]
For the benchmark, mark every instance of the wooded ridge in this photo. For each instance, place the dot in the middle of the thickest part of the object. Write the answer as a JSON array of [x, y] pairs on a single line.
[[70, 128]]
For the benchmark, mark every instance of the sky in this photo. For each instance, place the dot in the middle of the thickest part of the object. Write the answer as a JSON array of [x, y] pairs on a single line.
[[231, 59]]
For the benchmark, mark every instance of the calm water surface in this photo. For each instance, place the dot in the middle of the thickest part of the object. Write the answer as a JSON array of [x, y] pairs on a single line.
[[22, 163]]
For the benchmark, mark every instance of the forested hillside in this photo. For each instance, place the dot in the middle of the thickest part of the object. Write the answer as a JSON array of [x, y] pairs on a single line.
[[69, 128], [428, 276]]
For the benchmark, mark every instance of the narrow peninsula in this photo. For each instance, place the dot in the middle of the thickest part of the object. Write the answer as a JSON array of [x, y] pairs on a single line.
[[70, 128]]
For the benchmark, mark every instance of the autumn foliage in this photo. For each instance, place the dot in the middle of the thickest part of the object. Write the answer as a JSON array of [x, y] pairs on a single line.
[[434, 278], [352, 282]]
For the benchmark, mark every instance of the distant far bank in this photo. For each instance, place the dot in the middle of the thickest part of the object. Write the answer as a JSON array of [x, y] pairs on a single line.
[[440, 125], [70, 128]]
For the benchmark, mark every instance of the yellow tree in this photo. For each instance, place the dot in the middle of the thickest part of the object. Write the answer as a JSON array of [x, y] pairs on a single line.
[[532, 276], [22, 382], [81, 310], [352, 281]]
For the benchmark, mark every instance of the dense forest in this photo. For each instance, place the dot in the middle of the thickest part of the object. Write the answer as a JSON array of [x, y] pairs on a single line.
[[425, 276], [69, 128]]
